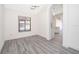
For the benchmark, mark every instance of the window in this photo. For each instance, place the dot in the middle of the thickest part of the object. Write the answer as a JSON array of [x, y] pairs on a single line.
[[24, 23]]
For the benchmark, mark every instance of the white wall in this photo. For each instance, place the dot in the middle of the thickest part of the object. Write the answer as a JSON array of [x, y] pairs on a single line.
[[71, 26], [11, 24], [51, 25], [43, 22], [40, 23], [1, 26]]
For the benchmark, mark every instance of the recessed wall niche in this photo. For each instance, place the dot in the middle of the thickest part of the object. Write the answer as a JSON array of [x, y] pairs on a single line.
[[24, 24]]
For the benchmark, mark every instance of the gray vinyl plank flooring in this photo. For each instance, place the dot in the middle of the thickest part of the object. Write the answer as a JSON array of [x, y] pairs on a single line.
[[34, 45]]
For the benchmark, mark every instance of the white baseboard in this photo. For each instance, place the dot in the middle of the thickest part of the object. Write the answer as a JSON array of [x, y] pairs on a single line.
[[1, 46], [71, 47]]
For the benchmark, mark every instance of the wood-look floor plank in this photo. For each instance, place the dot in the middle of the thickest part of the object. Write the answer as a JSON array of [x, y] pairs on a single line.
[[33, 45]]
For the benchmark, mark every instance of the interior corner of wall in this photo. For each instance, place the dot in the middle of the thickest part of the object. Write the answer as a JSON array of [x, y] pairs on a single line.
[[1, 46], [48, 37], [65, 45]]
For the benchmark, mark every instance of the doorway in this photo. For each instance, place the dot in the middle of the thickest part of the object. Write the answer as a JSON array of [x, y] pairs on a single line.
[[57, 18]]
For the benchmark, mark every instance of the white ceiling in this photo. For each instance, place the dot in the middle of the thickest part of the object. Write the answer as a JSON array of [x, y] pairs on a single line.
[[26, 8]]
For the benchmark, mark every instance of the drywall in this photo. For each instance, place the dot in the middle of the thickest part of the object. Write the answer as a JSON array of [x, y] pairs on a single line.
[[1, 26], [11, 24], [71, 26], [40, 22], [43, 23], [51, 24]]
